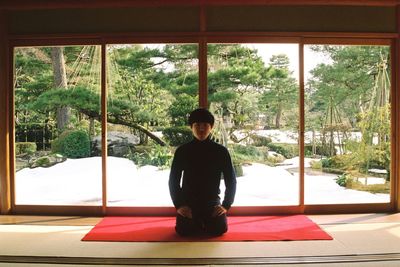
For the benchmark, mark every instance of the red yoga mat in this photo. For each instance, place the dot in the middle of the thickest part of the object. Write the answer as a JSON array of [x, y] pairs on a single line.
[[240, 228]]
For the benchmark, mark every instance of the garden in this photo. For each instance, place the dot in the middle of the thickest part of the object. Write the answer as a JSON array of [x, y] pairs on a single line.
[[254, 97]]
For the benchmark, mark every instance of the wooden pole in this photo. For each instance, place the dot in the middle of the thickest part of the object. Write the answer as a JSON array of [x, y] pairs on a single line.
[[301, 126], [395, 116], [203, 88], [104, 127], [5, 187]]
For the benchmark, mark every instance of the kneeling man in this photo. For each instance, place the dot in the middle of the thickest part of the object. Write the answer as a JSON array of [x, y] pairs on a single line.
[[195, 179]]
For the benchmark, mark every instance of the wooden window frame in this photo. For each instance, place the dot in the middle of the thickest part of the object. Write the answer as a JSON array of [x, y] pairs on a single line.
[[202, 38]]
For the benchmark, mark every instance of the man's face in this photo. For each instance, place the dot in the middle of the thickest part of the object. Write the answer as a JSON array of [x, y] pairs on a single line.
[[201, 130]]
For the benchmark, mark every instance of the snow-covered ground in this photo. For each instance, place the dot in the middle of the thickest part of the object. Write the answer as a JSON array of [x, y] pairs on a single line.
[[78, 182]]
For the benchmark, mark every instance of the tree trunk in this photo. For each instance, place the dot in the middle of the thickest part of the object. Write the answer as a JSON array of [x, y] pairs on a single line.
[[278, 116], [60, 81], [92, 130]]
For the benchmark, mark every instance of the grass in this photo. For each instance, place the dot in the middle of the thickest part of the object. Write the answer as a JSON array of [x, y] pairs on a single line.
[[373, 188]]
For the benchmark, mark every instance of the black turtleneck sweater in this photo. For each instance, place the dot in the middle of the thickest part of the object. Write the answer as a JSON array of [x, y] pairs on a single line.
[[202, 164]]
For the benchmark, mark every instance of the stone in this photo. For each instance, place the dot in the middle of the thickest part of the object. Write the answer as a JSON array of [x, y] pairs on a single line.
[[46, 161], [119, 144]]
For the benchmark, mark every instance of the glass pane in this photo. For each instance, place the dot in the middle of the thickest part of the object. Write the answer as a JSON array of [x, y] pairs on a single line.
[[151, 89], [253, 92], [347, 122], [57, 123]]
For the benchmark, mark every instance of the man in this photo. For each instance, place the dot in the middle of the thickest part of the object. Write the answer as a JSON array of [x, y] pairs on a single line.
[[202, 162]]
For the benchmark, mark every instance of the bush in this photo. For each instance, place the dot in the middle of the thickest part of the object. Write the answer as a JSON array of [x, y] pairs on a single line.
[[275, 158], [326, 163], [238, 169], [287, 150], [344, 179], [247, 153], [178, 135], [156, 155], [72, 144], [259, 140], [319, 150], [25, 148], [42, 162], [345, 162], [316, 164], [337, 164]]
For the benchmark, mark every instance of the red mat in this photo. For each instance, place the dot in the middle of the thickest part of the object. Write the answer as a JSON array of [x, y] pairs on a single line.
[[246, 228]]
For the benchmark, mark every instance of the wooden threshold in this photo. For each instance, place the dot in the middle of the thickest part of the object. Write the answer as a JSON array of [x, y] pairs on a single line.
[[350, 258]]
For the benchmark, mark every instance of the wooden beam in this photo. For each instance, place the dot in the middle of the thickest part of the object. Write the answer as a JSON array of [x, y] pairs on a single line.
[[301, 126], [394, 129], [202, 55], [395, 89], [191, 37], [5, 196], [104, 153], [51, 4]]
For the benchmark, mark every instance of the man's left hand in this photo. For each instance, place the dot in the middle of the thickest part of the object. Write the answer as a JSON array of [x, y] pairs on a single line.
[[218, 211]]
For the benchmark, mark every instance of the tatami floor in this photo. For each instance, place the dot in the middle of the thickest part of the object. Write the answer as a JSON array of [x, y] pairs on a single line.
[[359, 240]]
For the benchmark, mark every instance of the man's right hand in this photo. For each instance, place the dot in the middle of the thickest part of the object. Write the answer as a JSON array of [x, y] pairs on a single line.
[[185, 211]]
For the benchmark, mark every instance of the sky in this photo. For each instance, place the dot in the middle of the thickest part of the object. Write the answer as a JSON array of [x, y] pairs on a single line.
[[311, 59], [266, 51]]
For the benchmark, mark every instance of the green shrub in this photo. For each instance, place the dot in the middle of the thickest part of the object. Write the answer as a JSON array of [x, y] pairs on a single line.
[[238, 170], [275, 158], [259, 140], [344, 162], [247, 153], [316, 164], [72, 144], [42, 162], [343, 179], [377, 159], [287, 150], [156, 155], [178, 135], [25, 148], [350, 182], [326, 163], [319, 150]]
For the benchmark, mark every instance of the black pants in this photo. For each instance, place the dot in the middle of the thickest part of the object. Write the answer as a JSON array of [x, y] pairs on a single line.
[[202, 222]]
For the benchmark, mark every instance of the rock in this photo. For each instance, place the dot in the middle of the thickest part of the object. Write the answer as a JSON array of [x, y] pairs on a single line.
[[119, 144], [46, 161]]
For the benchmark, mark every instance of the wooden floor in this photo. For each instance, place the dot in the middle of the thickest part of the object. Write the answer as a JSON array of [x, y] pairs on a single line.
[[359, 240]]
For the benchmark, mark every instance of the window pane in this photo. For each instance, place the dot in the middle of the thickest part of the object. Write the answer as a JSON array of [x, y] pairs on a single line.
[[253, 92], [57, 120], [347, 124], [151, 89]]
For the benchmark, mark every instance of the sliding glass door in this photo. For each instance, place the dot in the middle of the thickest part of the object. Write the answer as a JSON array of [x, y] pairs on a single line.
[[253, 91], [258, 93], [151, 89], [348, 124], [57, 117]]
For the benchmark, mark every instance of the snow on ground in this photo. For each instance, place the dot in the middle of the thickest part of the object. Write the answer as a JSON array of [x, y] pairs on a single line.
[[78, 182]]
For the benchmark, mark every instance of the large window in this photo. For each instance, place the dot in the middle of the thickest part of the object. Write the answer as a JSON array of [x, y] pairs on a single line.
[[347, 124], [151, 89], [57, 114], [254, 93]]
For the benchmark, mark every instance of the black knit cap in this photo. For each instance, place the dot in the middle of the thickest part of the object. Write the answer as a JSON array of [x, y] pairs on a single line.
[[201, 115]]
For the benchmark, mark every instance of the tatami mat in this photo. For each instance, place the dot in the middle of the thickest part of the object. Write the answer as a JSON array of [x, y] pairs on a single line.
[[356, 238]]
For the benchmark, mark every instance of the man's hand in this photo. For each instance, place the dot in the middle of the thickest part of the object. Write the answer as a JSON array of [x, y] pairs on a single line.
[[218, 211], [185, 211]]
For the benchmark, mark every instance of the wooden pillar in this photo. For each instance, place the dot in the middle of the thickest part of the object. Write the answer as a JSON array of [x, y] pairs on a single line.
[[104, 127], [301, 126], [395, 116], [203, 88], [5, 189]]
